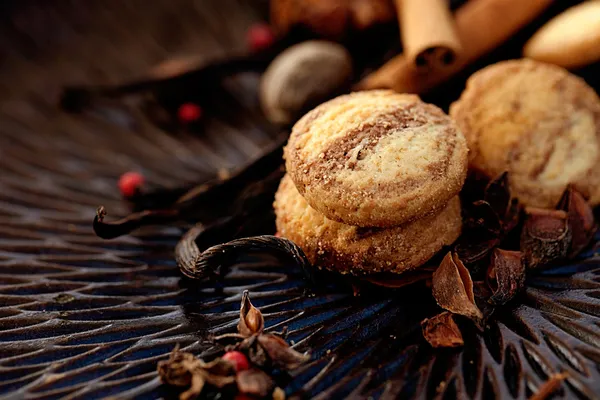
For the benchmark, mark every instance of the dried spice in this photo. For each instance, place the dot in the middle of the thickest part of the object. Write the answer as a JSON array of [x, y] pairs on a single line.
[[255, 383], [452, 288], [263, 350], [506, 275], [251, 319], [185, 370], [550, 386], [442, 331], [546, 237], [581, 219], [488, 221]]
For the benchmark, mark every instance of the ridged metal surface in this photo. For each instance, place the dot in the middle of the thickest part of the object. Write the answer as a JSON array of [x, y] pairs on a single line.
[[85, 318]]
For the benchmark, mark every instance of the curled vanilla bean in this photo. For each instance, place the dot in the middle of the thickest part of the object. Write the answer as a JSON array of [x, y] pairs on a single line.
[[111, 230], [196, 264]]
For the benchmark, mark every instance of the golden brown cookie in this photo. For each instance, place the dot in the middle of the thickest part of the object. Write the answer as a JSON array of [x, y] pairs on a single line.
[[536, 121], [376, 158], [350, 249]]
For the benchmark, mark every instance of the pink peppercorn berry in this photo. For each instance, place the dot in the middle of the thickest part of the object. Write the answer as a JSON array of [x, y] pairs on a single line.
[[189, 112], [238, 359], [130, 183], [260, 37]]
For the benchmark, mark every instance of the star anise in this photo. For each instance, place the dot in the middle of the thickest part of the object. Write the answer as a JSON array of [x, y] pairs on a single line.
[[488, 221]]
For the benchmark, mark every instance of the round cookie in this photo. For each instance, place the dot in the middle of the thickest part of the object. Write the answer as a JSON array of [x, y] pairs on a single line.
[[539, 123], [350, 249], [376, 158]]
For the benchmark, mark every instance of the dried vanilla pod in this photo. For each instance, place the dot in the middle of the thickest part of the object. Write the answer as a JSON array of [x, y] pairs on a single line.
[[303, 76], [582, 222], [546, 237], [452, 288], [506, 275], [442, 331]]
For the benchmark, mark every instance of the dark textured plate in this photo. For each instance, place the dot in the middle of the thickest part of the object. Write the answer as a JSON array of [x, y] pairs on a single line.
[[85, 318]]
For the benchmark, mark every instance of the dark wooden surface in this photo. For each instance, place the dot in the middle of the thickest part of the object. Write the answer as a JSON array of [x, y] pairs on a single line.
[[86, 318]]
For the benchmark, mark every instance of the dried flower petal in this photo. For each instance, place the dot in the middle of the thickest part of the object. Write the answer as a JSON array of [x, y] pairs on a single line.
[[581, 219], [255, 383], [442, 331], [251, 319], [546, 237], [280, 353], [453, 288], [506, 275]]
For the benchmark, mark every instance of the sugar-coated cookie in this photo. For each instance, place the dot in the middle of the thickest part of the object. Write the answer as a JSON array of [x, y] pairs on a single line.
[[536, 121], [350, 249], [376, 158]]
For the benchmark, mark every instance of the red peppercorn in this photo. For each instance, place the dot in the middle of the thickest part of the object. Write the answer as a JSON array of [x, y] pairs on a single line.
[[189, 112], [238, 359], [277, 234], [243, 396], [260, 37], [130, 183]]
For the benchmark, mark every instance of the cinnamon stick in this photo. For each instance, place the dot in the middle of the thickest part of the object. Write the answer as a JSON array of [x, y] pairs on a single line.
[[428, 33], [482, 25]]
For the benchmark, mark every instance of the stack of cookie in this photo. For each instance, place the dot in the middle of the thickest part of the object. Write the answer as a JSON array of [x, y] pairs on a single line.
[[372, 183]]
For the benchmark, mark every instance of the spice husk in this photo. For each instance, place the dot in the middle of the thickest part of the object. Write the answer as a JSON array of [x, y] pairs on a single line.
[[254, 382], [581, 220], [452, 288], [251, 319], [442, 331], [506, 275], [546, 237]]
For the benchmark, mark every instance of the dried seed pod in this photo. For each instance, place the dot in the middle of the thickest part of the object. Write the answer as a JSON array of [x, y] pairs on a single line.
[[506, 275], [442, 331], [452, 288], [546, 237], [251, 319], [581, 219], [255, 383], [280, 352], [303, 76]]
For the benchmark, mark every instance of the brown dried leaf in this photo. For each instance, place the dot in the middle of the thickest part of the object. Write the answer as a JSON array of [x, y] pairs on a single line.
[[280, 353], [453, 288], [255, 383], [442, 331], [506, 275], [581, 219], [546, 237], [251, 319]]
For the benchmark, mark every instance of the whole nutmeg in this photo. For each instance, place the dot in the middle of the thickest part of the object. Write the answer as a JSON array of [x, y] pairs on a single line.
[[303, 76], [330, 19]]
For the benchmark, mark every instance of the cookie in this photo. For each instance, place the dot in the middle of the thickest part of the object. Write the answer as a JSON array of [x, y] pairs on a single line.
[[350, 249], [536, 121], [376, 158], [571, 39]]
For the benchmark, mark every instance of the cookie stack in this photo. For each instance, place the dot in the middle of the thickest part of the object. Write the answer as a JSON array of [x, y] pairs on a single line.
[[372, 183]]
